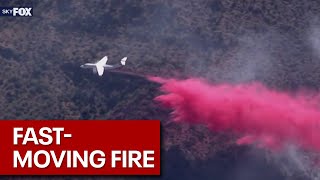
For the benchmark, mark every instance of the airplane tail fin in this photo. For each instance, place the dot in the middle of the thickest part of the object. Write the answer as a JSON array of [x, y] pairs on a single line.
[[123, 61]]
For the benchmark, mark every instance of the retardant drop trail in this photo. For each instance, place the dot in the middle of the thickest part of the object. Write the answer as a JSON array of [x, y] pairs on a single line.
[[265, 117]]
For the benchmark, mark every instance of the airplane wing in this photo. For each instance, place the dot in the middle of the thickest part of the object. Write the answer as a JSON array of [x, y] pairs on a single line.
[[103, 61], [100, 70]]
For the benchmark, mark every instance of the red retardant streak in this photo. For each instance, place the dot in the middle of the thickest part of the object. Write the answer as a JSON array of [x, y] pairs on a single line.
[[265, 117]]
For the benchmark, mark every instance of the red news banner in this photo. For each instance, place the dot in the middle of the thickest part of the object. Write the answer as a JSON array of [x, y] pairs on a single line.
[[77, 147]]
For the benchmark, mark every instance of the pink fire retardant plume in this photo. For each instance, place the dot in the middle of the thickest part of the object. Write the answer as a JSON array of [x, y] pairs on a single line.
[[260, 116]]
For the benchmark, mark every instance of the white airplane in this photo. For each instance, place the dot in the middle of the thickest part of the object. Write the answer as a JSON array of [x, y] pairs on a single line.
[[101, 65]]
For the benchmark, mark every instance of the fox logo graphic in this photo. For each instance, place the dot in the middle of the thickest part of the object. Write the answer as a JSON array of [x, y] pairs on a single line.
[[22, 12]]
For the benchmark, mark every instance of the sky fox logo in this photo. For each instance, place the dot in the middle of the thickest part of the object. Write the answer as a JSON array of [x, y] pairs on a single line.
[[17, 11]]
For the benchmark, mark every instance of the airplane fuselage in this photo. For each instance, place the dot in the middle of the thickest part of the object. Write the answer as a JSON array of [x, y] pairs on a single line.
[[91, 65], [88, 65]]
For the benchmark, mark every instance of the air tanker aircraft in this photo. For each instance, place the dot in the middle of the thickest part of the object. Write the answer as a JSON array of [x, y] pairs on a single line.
[[101, 65]]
